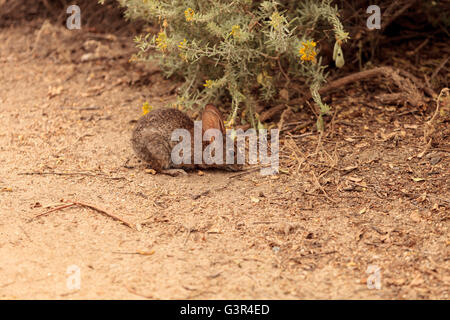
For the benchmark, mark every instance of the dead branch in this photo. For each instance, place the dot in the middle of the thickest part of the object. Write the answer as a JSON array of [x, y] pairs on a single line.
[[390, 16], [406, 82], [439, 67], [429, 125], [85, 205], [71, 174]]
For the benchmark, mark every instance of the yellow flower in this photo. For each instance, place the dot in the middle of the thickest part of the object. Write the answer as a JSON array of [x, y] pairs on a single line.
[[182, 44], [208, 83], [229, 123], [235, 31], [133, 58], [189, 14], [307, 51], [146, 108], [276, 20], [161, 41]]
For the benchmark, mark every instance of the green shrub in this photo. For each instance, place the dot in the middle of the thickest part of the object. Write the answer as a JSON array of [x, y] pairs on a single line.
[[237, 53]]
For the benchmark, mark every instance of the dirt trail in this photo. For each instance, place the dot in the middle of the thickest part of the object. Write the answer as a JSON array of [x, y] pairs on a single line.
[[200, 236]]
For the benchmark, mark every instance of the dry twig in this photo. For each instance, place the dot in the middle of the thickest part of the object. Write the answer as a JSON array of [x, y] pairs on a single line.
[[85, 205], [99, 175], [405, 81]]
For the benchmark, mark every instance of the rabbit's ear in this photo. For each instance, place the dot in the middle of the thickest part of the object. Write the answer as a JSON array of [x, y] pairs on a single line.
[[212, 119]]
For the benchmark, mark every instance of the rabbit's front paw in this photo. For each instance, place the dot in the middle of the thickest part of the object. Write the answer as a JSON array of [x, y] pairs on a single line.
[[174, 172]]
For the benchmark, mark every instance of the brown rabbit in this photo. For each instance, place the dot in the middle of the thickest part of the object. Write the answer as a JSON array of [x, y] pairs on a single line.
[[151, 139]]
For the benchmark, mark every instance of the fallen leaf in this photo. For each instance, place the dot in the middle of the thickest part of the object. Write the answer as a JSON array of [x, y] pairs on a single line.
[[255, 200], [284, 94], [418, 179], [349, 168], [396, 282], [54, 91], [418, 280], [94, 91], [146, 253], [214, 230], [361, 145], [423, 197], [388, 136], [355, 179]]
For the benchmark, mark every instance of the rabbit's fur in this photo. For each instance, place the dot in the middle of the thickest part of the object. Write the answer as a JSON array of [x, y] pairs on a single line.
[[151, 138]]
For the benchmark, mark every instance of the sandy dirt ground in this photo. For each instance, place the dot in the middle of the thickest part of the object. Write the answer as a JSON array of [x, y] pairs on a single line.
[[358, 199]]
